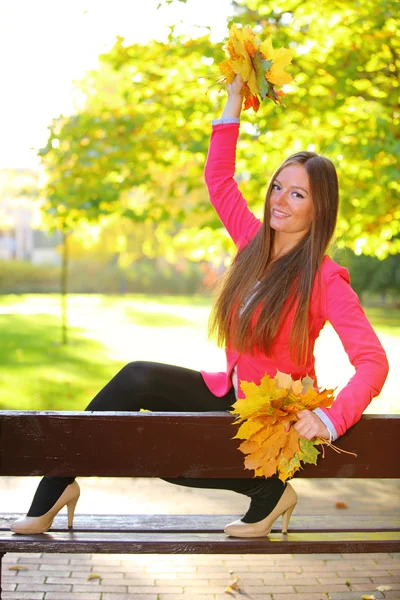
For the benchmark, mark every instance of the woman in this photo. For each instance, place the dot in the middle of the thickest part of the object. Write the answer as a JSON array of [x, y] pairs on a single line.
[[274, 300]]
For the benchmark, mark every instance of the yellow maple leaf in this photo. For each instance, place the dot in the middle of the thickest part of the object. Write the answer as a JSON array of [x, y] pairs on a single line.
[[274, 443], [281, 58], [283, 380], [297, 387], [247, 429]]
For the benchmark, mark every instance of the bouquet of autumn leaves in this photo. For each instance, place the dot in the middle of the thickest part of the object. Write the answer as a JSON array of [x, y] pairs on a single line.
[[267, 415], [259, 65]]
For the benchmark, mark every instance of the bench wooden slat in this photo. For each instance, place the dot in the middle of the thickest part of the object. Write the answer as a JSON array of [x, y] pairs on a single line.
[[123, 445], [215, 523], [200, 543]]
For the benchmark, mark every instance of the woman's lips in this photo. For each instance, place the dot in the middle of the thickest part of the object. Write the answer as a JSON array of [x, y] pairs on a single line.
[[279, 214]]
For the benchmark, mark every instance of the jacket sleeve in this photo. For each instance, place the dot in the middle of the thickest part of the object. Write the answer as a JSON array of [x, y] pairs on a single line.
[[365, 352], [225, 195]]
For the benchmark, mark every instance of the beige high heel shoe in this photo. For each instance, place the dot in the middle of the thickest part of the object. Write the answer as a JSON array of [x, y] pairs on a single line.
[[32, 525], [285, 507]]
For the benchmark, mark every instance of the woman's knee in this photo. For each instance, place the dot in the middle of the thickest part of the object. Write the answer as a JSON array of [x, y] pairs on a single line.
[[138, 375]]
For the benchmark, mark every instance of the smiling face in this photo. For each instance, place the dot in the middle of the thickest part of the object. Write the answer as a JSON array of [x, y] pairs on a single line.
[[291, 205]]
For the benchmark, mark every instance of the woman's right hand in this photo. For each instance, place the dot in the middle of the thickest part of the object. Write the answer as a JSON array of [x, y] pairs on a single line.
[[234, 103], [235, 87]]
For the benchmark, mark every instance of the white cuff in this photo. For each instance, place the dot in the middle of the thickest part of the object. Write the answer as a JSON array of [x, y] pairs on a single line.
[[225, 120], [328, 424]]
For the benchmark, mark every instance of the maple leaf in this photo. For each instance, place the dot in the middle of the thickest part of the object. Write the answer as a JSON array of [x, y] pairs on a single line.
[[233, 586], [259, 65], [280, 59], [266, 414], [247, 429], [309, 451]]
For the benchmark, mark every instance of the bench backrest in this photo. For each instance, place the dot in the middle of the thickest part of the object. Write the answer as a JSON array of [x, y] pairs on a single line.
[[117, 444]]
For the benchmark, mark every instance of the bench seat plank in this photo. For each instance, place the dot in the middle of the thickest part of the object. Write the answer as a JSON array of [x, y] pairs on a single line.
[[170, 445], [215, 523], [200, 543]]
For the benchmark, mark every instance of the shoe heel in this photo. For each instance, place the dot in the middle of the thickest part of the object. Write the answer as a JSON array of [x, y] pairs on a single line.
[[286, 518], [71, 510]]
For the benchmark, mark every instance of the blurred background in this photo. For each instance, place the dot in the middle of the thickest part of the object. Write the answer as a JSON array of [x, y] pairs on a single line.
[[108, 243]]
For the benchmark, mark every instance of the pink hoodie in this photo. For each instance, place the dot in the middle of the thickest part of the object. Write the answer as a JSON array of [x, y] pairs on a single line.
[[335, 302]]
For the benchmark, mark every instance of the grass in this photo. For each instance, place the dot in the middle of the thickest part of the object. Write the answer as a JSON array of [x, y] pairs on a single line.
[[38, 373], [106, 332], [385, 320]]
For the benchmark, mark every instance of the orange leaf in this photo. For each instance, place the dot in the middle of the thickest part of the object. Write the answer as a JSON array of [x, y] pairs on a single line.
[[248, 447], [253, 460], [341, 505], [269, 468]]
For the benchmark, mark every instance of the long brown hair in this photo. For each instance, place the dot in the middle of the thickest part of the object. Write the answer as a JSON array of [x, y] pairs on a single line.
[[252, 327]]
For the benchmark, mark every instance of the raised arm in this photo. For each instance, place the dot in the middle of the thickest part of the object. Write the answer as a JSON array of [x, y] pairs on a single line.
[[219, 173]]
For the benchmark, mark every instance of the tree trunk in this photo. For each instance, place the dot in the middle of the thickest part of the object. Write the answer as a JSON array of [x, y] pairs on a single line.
[[64, 290]]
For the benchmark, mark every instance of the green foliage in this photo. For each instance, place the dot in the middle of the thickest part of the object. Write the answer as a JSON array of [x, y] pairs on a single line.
[[145, 123], [150, 276], [22, 277], [369, 274], [346, 107]]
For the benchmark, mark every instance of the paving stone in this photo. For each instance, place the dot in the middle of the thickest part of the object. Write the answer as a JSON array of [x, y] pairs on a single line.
[[74, 580], [150, 581], [276, 569], [302, 589], [123, 589], [70, 596], [23, 596], [342, 580], [130, 597], [366, 588], [44, 587], [24, 576], [197, 597], [294, 581], [387, 580], [354, 595], [362, 573], [318, 596], [15, 556], [155, 590], [8, 587]]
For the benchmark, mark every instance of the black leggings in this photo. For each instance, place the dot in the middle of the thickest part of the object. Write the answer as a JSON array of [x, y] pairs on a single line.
[[167, 388]]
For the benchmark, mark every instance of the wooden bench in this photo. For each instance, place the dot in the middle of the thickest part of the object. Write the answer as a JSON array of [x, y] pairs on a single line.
[[110, 444]]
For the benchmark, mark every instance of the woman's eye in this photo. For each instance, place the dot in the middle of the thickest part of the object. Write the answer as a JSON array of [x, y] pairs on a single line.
[[297, 195], [275, 186]]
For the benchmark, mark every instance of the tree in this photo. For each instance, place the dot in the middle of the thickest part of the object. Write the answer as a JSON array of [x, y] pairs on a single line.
[[144, 124]]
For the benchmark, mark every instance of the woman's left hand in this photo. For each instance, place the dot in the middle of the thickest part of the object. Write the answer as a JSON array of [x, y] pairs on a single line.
[[310, 426]]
